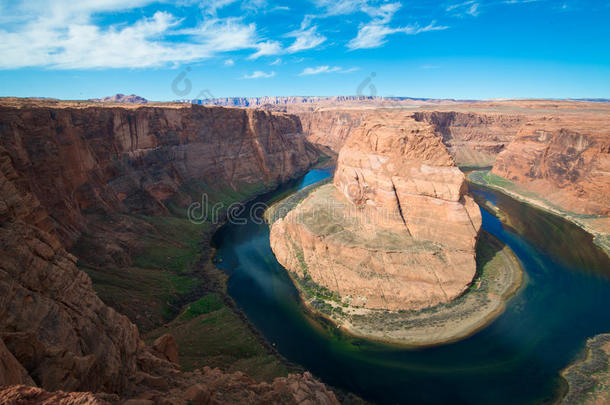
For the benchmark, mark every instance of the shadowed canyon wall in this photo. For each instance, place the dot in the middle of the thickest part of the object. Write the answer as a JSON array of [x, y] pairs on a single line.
[[136, 160], [62, 169]]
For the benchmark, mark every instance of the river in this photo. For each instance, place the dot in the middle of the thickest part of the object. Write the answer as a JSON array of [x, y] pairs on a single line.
[[515, 360]]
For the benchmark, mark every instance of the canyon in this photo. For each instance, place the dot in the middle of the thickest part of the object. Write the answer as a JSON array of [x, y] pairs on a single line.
[[100, 260], [89, 179], [552, 154], [395, 233]]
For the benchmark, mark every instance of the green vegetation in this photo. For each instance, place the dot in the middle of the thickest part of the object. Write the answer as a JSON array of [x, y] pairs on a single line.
[[589, 377], [172, 286], [209, 333], [204, 305]]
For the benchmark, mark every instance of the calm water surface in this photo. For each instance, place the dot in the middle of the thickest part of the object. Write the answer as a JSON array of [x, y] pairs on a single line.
[[516, 360]]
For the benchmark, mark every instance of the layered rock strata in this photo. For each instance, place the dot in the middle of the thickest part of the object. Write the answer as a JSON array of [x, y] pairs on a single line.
[[64, 168], [136, 160], [564, 161], [395, 231]]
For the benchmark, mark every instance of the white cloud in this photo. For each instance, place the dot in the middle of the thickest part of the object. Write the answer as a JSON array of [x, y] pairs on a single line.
[[340, 7], [229, 62], [266, 48], [306, 38], [470, 7], [259, 74], [212, 6], [65, 35], [325, 69], [374, 34], [277, 61]]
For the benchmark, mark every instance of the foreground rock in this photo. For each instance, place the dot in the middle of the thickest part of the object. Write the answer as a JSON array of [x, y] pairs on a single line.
[[203, 387], [395, 231]]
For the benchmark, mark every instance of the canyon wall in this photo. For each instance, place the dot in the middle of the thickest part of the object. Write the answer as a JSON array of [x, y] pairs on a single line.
[[79, 160], [62, 169], [565, 161], [557, 150], [51, 320], [473, 139], [396, 230], [330, 128]]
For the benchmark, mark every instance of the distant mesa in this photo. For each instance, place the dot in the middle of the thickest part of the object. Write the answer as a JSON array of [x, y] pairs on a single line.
[[309, 100], [122, 98]]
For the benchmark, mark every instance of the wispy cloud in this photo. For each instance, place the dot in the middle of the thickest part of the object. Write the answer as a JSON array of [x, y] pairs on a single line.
[[325, 69], [65, 35], [259, 74], [373, 35], [229, 62], [470, 7], [305, 38], [277, 61], [267, 48]]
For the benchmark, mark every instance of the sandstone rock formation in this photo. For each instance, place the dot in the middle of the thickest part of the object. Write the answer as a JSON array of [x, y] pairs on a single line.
[[396, 231], [136, 160], [51, 320], [474, 139], [203, 387], [566, 161], [330, 127], [21, 394], [61, 170], [556, 152]]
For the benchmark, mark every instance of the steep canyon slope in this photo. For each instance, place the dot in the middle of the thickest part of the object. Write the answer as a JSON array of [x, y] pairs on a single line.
[[68, 171]]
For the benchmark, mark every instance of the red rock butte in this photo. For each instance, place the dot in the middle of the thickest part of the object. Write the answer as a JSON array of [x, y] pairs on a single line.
[[395, 231]]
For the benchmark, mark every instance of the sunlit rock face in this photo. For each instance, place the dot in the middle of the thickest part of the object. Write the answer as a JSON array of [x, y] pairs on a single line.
[[565, 160], [395, 230]]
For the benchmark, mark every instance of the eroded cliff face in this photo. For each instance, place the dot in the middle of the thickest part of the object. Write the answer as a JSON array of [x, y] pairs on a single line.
[[137, 160], [474, 139], [63, 169], [330, 128], [51, 320], [565, 161], [395, 231]]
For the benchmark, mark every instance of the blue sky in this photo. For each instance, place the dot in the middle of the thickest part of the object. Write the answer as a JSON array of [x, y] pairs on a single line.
[[474, 49]]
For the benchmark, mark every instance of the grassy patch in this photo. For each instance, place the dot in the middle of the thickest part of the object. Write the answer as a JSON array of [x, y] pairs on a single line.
[[210, 333], [202, 306], [171, 285]]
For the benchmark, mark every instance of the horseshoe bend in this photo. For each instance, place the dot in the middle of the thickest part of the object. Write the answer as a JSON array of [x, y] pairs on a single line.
[[394, 234], [319, 202]]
